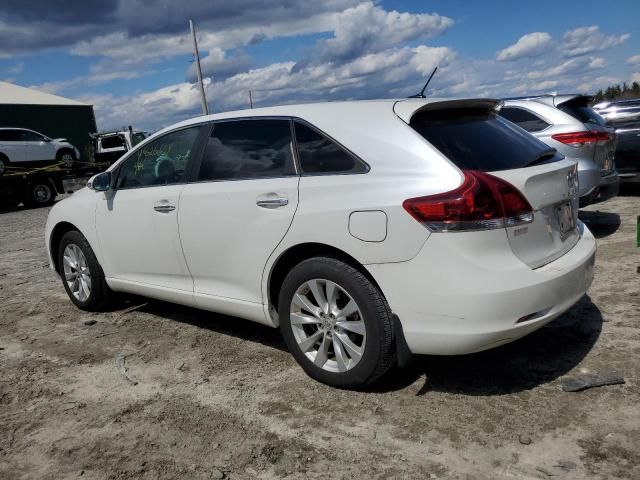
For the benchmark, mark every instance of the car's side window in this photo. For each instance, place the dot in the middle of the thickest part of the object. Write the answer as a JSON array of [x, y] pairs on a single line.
[[27, 136], [8, 136], [524, 119], [248, 149], [160, 162], [320, 155], [114, 141]]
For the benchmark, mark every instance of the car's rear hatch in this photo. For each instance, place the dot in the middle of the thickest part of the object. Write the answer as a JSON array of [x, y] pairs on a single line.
[[475, 139], [604, 145]]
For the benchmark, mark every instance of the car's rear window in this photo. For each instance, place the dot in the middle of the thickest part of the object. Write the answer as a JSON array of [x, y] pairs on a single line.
[[475, 139], [581, 111]]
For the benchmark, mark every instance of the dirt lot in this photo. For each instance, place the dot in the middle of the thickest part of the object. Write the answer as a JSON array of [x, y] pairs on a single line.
[[219, 397]]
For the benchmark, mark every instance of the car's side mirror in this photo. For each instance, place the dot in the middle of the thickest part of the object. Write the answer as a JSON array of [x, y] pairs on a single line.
[[100, 182]]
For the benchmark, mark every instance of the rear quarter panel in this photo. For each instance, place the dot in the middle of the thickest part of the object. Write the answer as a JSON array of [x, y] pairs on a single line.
[[402, 165]]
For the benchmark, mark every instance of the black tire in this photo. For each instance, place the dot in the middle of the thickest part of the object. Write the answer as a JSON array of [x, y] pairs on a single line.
[[40, 193], [379, 349], [4, 164], [67, 157], [100, 294]]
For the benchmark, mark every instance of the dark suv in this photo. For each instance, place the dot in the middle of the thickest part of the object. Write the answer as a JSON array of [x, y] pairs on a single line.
[[624, 116]]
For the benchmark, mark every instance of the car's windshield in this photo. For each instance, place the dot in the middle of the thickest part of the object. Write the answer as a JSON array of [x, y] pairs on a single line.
[[476, 139]]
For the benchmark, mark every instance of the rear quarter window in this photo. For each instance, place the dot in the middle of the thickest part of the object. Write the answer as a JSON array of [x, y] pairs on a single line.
[[475, 139], [319, 155], [524, 119]]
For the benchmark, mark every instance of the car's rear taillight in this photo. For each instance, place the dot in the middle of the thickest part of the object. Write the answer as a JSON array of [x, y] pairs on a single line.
[[578, 139], [482, 202]]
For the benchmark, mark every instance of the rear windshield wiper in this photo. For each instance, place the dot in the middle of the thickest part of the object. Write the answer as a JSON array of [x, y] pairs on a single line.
[[542, 157]]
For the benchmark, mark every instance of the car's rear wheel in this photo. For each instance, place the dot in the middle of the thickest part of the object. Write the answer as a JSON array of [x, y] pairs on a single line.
[[336, 323], [81, 274], [4, 164], [66, 157], [40, 193]]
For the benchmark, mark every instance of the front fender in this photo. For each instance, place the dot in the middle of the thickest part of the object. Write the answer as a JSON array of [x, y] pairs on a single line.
[[78, 210]]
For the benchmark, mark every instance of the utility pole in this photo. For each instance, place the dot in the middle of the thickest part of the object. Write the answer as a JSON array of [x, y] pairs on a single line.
[[250, 99], [205, 107]]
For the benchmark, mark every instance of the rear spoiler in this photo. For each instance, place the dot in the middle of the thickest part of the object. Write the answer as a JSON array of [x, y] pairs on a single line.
[[575, 98], [405, 109]]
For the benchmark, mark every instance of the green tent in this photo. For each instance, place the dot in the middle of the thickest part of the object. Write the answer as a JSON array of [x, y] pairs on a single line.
[[54, 116]]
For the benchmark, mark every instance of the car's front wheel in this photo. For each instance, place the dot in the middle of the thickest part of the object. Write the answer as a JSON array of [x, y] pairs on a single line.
[[336, 323], [81, 273], [66, 157]]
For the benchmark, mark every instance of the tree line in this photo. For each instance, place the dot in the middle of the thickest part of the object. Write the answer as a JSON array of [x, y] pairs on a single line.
[[623, 91]]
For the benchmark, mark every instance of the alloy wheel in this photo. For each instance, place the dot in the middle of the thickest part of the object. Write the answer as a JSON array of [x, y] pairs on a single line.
[[67, 160], [76, 272], [328, 325]]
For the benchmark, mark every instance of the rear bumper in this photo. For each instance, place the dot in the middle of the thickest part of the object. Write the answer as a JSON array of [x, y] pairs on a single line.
[[606, 189], [588, 177], [455, 299]]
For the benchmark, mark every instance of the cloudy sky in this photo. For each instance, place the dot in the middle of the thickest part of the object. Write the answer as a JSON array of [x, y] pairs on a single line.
[[132, 58]]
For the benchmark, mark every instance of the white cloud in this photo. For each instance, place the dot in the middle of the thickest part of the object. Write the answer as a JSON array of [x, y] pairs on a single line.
[[119, 44], [535, 87], [584, 40], [371, 54], [218, 64], [63, 24], [16, 68], [567, 67], [99, 74], [529, 45], [635, 60], [426, 58], [370, 28], [592, 84]]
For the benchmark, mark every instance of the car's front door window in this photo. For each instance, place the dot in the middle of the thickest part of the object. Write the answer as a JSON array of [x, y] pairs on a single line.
[[28, 136], [160, 162]]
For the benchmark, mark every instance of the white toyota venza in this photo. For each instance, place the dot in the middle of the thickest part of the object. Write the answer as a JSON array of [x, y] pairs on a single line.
[[365, 231]]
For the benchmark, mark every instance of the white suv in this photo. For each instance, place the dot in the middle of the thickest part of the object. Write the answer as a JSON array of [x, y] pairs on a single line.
[[365, 230], [21, 147]]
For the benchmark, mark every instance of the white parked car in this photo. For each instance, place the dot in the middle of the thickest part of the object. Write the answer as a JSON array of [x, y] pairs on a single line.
[[365, 230], [21, 147]]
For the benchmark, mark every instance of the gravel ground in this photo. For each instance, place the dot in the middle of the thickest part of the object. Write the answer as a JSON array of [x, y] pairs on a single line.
[[219, 397]]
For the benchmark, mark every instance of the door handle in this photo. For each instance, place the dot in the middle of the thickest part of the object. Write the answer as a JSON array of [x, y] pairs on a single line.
[[164, 207], [273, 202]]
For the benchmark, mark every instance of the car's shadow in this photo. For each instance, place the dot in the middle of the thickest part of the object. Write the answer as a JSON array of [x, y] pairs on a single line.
[[11, 208], [214, 322], [601, 224], [629, 190], [534, 360]]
